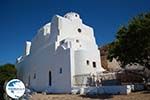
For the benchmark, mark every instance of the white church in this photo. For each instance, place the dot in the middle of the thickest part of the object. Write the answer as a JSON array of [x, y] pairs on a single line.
[[60, 57]]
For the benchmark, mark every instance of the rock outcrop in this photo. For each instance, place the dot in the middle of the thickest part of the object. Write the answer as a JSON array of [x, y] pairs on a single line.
[[106, 64]]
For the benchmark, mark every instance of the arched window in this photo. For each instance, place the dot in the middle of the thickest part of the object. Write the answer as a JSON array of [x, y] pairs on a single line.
[[60, 70], [88, 62]]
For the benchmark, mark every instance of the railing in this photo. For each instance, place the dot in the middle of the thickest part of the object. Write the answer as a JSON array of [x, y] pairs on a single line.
[[81, 80], [107, 76]]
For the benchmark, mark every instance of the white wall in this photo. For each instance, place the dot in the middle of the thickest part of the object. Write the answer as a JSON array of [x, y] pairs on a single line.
[[49, 53], [126, 89]]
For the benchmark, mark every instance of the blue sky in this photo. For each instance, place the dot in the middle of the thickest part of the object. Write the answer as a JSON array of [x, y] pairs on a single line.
[[20, 19]]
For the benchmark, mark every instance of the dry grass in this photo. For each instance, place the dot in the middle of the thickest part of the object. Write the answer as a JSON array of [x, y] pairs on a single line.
[[133, 96]]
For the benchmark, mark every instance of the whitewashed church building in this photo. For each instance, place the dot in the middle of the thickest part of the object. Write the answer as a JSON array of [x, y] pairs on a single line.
[[59, 56]]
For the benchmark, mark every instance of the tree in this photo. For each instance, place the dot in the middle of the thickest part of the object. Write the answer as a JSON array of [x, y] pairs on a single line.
[[7, 72], [132, 43]]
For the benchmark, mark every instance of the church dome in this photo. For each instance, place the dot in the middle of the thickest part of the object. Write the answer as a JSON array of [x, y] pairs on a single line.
[[72, 15]]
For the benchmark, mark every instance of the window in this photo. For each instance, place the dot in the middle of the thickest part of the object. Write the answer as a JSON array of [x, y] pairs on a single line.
[[77, 41], [50, 78], [94, 64], [60, 70], [62, 42], [79, 30], [29, 80], [34, 77], [76, 15], [87, 62]]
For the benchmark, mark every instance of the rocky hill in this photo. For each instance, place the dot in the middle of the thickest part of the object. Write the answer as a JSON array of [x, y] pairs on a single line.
[[110, 66]]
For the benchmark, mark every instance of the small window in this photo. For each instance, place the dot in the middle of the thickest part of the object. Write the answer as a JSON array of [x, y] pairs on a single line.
[[34, 77], [60, 70], [50, 78], [77, 41], [76, 15], [62, 42], [87, 62], [94, 64], [79, 30]]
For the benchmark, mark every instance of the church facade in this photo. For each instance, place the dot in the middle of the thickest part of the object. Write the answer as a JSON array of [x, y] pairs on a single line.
[[61, 50]]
